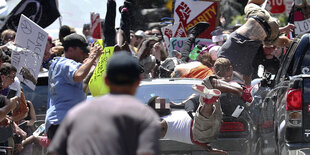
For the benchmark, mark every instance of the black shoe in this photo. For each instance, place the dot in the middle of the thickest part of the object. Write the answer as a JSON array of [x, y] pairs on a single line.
[[127, 4], [198, 28]]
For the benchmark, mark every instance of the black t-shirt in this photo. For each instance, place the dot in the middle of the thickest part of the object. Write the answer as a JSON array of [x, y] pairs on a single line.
[[2, 101], [5, 132]]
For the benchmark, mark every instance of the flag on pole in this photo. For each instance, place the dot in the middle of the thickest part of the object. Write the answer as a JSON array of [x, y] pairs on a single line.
[[42, 12]]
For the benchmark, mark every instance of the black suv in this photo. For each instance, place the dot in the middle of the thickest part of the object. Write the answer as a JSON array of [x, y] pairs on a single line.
[[284, 123]]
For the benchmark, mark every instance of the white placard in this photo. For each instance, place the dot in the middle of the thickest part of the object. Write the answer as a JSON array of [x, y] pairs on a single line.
[[33, 38], [302, 26]]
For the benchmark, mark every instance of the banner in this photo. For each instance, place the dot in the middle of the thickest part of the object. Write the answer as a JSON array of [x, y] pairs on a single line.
[[95, 25], [188, 13], [170, 32], [178, 43], [28, 61], [42, 12], [96, 84]]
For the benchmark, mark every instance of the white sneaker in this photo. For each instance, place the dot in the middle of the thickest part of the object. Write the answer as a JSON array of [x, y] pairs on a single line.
[[205, 92]]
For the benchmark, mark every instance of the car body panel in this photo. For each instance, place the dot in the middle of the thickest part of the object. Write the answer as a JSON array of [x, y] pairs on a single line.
[[284, 134], [177, 90]]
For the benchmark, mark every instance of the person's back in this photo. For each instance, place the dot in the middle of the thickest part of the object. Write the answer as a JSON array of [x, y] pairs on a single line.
[[66, 76], [116, 123], [107, 125]]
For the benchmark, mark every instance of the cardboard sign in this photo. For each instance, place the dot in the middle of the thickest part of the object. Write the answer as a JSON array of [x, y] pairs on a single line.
[[189, 13], [178, 43], [95, 25], [301, 17], [96, 84], [302, 26], [170, 31], [32, 37]]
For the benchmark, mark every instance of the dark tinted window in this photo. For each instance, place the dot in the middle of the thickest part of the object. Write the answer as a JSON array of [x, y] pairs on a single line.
[[38, 97], [306, 90], [305, 65]]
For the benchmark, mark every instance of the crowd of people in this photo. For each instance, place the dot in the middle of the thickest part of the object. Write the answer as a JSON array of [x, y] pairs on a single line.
[[117, 123]]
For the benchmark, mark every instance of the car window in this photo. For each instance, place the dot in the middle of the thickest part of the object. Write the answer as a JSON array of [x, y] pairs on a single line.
[[305, 65], [38, 97], [173, 92]]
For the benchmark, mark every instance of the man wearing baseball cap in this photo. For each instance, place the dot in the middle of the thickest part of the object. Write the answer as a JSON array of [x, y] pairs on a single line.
[[116, 123], [66, 76]]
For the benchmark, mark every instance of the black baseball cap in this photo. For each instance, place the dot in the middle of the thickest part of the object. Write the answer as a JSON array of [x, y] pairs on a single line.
[[76, 40], [123, 68]]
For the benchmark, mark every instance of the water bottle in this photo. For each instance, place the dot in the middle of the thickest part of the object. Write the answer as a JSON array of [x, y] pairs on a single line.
[[260, 71], [39, 130], [195, 52]]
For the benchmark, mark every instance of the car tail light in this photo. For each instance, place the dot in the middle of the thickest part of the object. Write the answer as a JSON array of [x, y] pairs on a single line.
[[232, 127], [294, 107], [294, 100]]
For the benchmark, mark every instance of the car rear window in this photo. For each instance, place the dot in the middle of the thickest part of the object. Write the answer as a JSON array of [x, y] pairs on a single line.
[[173, 92]]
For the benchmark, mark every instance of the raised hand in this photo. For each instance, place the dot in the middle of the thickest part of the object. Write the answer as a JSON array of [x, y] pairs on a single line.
[[168, 33], [287, 29], [183, 12], [95, 51]]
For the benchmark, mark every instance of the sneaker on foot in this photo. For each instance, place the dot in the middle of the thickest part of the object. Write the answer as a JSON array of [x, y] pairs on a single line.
[[198, 28], [205, 92]]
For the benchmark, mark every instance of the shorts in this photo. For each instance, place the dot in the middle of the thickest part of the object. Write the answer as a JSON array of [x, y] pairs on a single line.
[[206, 130], [255, 10], [241, 52]]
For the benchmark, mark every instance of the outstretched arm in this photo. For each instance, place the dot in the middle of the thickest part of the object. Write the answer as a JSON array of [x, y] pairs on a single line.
[[288, 28], [225, 87], [84, 69]]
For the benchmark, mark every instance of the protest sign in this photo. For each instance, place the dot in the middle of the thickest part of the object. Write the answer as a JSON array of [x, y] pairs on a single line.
[[96, 84], [275, 6], [300, 17], [95, 25], [170, 32], [32, 37], [178, 43], [188, 13]]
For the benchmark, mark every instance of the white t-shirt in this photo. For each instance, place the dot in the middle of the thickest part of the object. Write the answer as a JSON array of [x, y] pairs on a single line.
[[16, 86], [179, 126]]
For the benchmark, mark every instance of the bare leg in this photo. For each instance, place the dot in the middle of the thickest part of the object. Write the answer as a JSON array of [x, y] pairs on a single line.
[[206, 110]]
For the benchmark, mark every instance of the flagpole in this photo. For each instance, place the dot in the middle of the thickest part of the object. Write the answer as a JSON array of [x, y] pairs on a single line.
[[60, 17], [60, 21]]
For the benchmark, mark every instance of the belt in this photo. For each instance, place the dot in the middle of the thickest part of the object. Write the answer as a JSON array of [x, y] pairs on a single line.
[[264, 24]]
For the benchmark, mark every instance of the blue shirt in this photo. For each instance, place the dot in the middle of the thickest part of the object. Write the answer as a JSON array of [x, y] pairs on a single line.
[[63, 91]]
